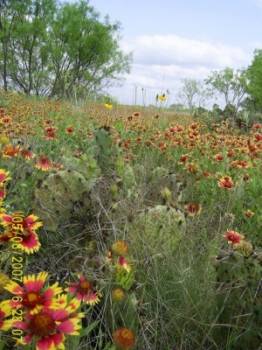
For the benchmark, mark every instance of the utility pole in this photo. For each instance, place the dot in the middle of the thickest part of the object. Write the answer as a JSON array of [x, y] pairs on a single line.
[[135, 94]]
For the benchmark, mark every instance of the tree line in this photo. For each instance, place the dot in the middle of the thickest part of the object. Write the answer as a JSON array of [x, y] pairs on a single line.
[[237, 89], [58, 49]]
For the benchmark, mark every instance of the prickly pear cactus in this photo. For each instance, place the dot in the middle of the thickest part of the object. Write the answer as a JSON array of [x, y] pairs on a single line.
[[128, 179], [61, 196], [85, 164], [239, 299], [162, 227], [105, 149], [159, 180]]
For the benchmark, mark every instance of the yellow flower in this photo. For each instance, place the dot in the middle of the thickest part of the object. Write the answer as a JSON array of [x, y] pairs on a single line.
[[244, 247], [120, 248], [166, 194], [249, 213], [4, 176], [108, 106], [4, 280], [118, 294], [4, 140], [5, 312], [162, 97]]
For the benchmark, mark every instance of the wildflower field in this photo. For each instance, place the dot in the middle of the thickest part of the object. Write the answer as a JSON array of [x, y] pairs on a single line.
[[127, 228]]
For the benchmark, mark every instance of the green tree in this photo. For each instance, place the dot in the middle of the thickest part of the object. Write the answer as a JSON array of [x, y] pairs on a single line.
[[254, 74], [7, 18], [47, 48], [85, 52], [193, 93], [28, 61], [232, 85], [188, 92]]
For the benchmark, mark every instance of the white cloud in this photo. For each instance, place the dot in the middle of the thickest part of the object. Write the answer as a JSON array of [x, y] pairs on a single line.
[[161, 61], [174, 49]]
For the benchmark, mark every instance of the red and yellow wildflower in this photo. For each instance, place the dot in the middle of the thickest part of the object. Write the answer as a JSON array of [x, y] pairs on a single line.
[[83, 290], [124, 338], [34, 294]]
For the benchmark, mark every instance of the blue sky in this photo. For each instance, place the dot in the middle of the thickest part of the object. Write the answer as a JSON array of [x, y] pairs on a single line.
[[230, 21], [172, 39]]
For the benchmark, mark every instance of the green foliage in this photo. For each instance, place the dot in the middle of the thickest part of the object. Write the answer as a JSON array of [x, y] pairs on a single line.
[[193, 94], [58, 50], [232, 85], [127, 178], [162, 227], [255, 79], [229, 111], [85, 165], [239, 300], [126, 311], [175, 282], [84, 51], [189, 91], [124, 278], [25, 44], [105, 150], [161, 180]]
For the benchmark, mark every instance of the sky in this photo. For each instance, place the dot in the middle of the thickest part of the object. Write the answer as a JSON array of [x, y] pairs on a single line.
[[176, 39]]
